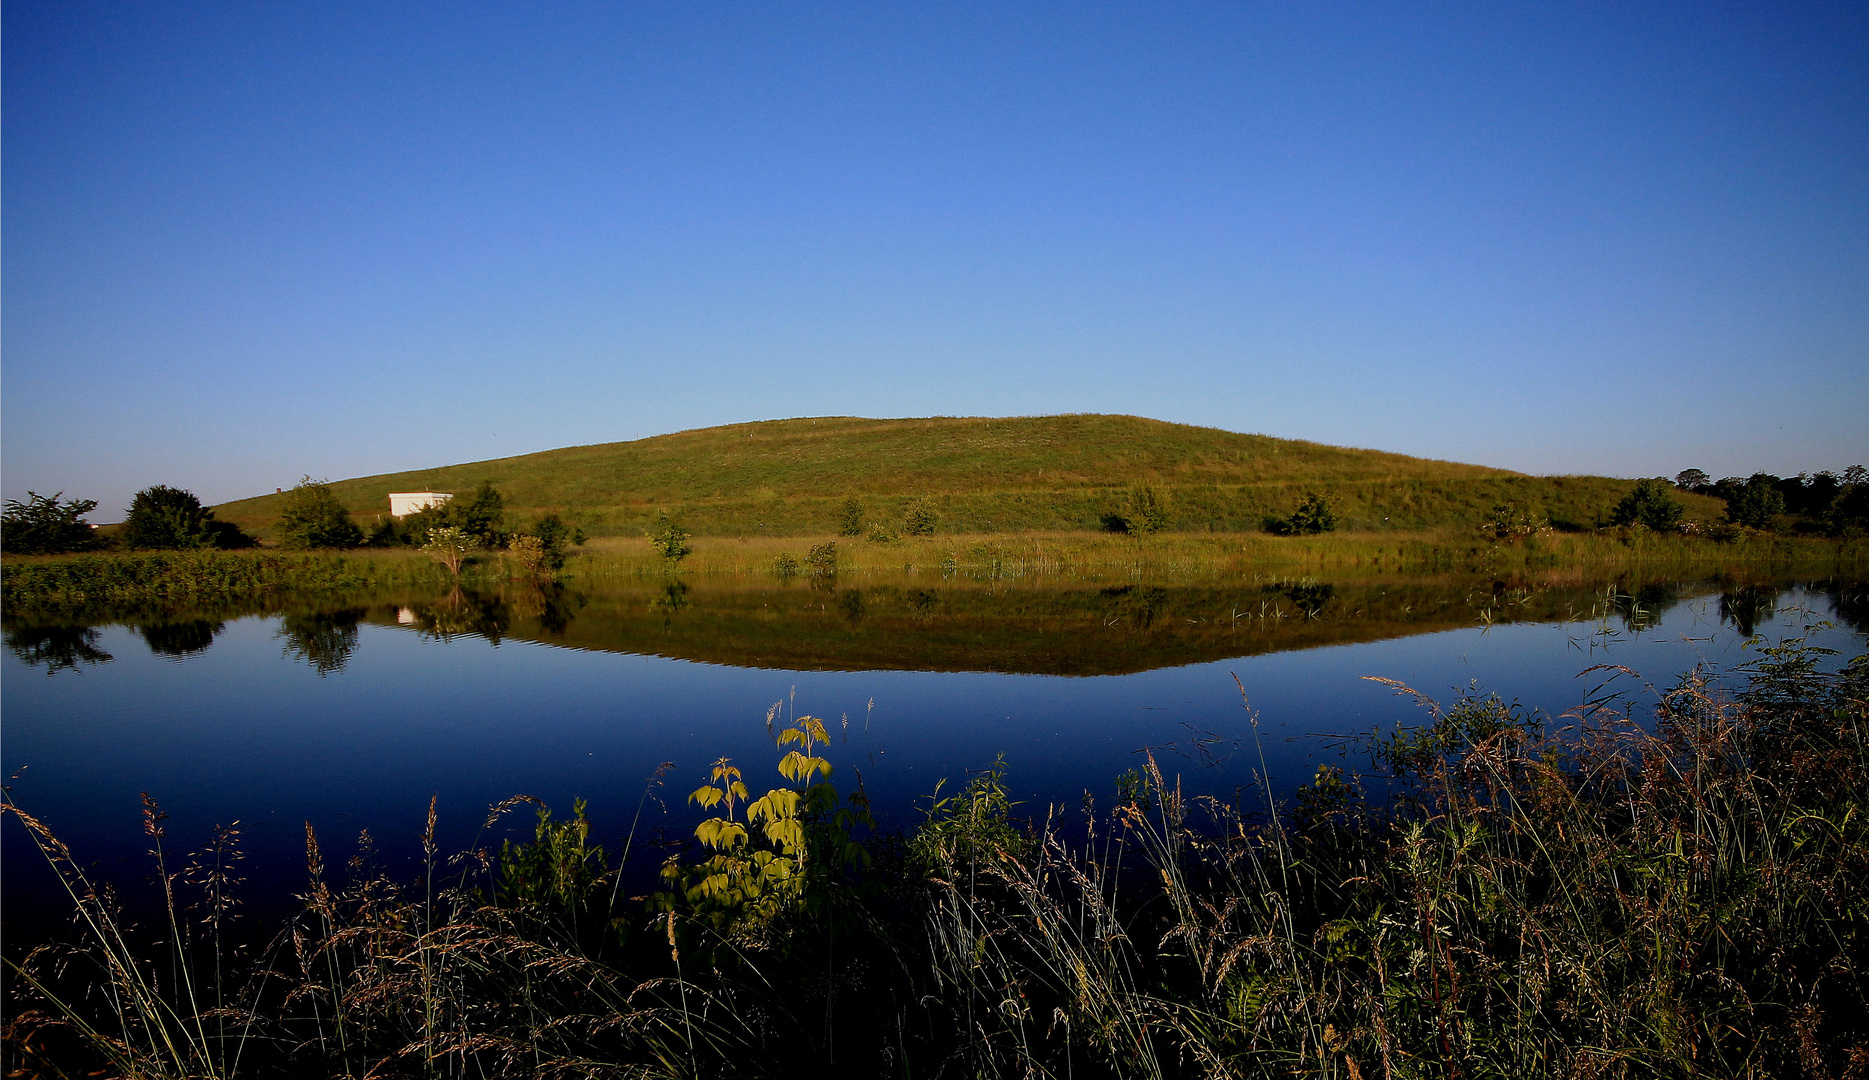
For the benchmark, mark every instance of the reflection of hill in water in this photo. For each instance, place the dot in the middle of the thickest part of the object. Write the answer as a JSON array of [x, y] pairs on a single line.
[[906, 624], [945, 626]]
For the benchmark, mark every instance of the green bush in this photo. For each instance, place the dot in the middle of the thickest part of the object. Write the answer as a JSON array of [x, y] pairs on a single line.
[[850, 517], [42, 525], [313, 518], [670, 540], [921, 519], [1312, 516], [1650, 506], [166, 518]]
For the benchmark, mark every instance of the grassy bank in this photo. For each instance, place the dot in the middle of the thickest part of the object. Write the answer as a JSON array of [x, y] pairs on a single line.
[[206, 577], [1097, 555], [1624, 896], [1046, 473]]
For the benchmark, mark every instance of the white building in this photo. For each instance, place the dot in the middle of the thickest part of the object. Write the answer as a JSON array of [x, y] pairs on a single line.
[[408, 502]]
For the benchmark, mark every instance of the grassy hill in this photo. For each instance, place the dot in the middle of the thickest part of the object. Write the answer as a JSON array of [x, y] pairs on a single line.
[[789, 477]]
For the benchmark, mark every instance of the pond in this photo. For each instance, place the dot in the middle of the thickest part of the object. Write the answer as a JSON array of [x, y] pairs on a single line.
[[351, 714]]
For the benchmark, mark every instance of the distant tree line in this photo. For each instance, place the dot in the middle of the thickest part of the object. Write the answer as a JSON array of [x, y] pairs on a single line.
[[1836, 504]]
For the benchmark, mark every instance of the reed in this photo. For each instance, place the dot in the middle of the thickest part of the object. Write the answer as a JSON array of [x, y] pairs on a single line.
[[1606, 895]]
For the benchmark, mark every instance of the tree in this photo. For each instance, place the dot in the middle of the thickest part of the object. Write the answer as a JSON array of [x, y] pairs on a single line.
[[1649, 505], [450, 545], [42, 525], [165, 518], [313, 518], [1692, 480], [850, 517], [1755, 503], [481, 515]]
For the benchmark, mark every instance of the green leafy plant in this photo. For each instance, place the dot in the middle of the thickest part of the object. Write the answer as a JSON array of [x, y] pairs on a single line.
[[769, 857], [785, 566], [822, 560]]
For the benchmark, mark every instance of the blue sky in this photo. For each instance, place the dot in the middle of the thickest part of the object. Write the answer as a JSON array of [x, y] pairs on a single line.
[[244, 242]]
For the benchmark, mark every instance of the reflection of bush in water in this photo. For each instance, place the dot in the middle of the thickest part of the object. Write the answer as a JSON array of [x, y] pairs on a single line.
[[1748, 606], [188, 637], [550, 605], [1310, 597], [323, 639], [1850, 605], [851, 604], [1640, 608], [463, 612], [1139, 605], [57, 648], [674, 597]]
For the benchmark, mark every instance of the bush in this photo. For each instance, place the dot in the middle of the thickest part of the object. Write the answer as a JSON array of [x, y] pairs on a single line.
[[44, 526], [670, 539], [1312, 516], [921, 518], [850, 517], [785, 567], [1650, 506], [552, 535], [163, 518], [1754, 503], [313, 518], [480, 516], [822, 560], [1145, 511]]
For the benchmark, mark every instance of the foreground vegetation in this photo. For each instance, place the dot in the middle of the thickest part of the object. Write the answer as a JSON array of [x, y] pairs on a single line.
[[1617, 895]]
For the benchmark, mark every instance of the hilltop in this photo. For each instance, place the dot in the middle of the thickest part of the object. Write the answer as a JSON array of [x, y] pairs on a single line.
[[1060, 473]]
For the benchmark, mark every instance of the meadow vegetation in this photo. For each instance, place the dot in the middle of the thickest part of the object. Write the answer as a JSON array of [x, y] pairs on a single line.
[[1609, 894], [1054, 473]]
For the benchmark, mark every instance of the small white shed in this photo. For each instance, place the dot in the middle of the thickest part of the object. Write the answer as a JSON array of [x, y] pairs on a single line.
[[408, 502]]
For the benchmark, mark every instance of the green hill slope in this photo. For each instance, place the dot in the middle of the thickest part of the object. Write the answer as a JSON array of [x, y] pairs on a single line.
[[789, 477]]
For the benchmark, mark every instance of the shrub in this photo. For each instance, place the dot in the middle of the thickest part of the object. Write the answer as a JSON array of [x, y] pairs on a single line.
[[44, 526], [670, 539], [1145, 510], [1650, 506], [850, 517], [450, 545], [1509, 523], [529, 552], [881, 534], [166, 518], [822, 560], [313, 518], [921, 519], [481, 515], [1754, 503], [785, 567], [1312, 516], [552, 535]]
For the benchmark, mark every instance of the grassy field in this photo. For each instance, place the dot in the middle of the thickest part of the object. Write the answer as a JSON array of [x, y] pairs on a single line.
[[1051, 473]]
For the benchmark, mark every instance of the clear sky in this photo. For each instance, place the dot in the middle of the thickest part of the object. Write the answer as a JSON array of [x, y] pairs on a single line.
[[244, 242]]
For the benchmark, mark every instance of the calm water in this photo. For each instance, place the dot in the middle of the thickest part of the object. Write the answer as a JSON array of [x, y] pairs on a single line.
[[351, 717]]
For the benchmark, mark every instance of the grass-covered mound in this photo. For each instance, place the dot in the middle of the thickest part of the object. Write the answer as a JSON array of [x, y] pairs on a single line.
[[792, 477]]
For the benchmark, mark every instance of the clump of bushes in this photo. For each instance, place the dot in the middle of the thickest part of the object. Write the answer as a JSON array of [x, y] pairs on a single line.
[[44, 525], [312, 517], [1649, 505], [1312, 516], [670, 540], [165, 518], [1144, 512]]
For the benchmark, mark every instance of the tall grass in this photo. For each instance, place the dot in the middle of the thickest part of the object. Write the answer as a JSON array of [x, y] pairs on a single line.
[[1608, 895]]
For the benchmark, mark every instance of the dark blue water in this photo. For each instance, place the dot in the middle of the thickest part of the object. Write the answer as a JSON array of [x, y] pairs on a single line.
[[245, 729]]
